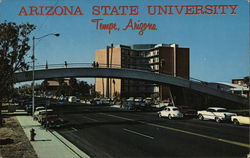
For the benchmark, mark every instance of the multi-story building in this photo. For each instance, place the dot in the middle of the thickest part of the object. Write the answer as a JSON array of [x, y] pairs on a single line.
[[241, 81], [159, 58]]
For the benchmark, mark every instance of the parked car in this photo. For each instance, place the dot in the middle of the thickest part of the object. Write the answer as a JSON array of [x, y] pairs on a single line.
[[139, 102], [188, 111], [128, 104], [37, 110], [105, 101], [52, 121], [215, 113], [148, 101], [241, 120], [102, 101], [42, 114], [171, 112], [72, 99]]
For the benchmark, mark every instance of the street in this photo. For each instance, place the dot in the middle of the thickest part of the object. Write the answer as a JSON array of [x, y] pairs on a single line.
[[114, 133]]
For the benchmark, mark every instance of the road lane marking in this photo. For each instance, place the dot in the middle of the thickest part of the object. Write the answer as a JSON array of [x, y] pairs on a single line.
[[200, 135], [123, 118], [74, 129], [138, 133], [184, 131], [90, 118]]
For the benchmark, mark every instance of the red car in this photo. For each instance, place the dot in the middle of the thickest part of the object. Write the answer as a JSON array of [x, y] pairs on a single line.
[[188, 111], [53, 121]]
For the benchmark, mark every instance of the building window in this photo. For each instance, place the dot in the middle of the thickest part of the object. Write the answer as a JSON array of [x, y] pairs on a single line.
[[156, 67], [156, 59]]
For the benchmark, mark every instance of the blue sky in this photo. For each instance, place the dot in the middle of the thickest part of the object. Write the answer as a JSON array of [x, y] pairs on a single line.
[[219, 44]]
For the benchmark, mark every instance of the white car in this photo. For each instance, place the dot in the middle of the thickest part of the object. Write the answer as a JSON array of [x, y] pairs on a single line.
[[215, 113], [170, 112], [37, 110], [241, 120], [72, 99]]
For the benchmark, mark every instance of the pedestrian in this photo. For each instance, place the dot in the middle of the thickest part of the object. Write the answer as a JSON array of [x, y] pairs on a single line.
[[46, 66], [94, 64], [66, 64]]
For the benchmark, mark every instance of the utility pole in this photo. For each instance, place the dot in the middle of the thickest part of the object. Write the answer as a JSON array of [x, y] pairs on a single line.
[[107, 80], [33, 67], [110, 80]]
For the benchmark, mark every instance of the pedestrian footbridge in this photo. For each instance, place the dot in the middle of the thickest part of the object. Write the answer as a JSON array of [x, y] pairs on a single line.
[[104, 72]]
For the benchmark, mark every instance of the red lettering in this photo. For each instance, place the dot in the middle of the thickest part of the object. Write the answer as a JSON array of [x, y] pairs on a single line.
[[170, 10], [130, 24], [23, 11], [114, 10], [209, 9], [50, 11], [199, 10], [189, 10], [223, 9], [149, 10], [105, 9], [41, 10], [67, 10], [97, 22], [215, 10], [233, 7], [134, 10], [78, 11], [161, 9], [58, 8], [33, 9], [96, 10], [177, 9], [123, 9]]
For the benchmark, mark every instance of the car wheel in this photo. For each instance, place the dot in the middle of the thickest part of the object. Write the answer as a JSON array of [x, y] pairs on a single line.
[[217, 120], [160, 115], [169, 117], [200, 117], [236, 122]]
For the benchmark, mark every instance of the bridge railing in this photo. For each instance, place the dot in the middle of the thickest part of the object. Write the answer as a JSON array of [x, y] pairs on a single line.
[[100, 65], [86, 65], [218, 88]]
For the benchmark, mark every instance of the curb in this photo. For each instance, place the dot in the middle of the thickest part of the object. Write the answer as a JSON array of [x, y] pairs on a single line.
[[70, 147]]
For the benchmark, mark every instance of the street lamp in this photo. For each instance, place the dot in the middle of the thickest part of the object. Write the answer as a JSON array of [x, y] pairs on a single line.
[[33, 71]]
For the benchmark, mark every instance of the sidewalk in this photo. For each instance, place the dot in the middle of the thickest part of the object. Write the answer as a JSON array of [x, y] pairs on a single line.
[[49, 144]]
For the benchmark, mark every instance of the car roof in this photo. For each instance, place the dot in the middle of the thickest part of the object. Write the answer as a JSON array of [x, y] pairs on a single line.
[[45, 110], [216, 108], [171, 107]]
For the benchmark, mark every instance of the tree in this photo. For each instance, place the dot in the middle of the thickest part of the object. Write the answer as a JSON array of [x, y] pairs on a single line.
[[14, 46], [45, 85], [63, 88], [73, 86], [83, 88]]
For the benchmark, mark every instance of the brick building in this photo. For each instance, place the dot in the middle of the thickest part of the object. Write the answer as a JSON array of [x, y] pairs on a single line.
[[159, 58]]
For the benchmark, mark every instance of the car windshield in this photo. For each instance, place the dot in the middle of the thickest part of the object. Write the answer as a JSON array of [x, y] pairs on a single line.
[[222, 110]]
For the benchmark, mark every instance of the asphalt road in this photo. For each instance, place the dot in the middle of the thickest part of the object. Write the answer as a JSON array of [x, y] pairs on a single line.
[[114, 133]]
